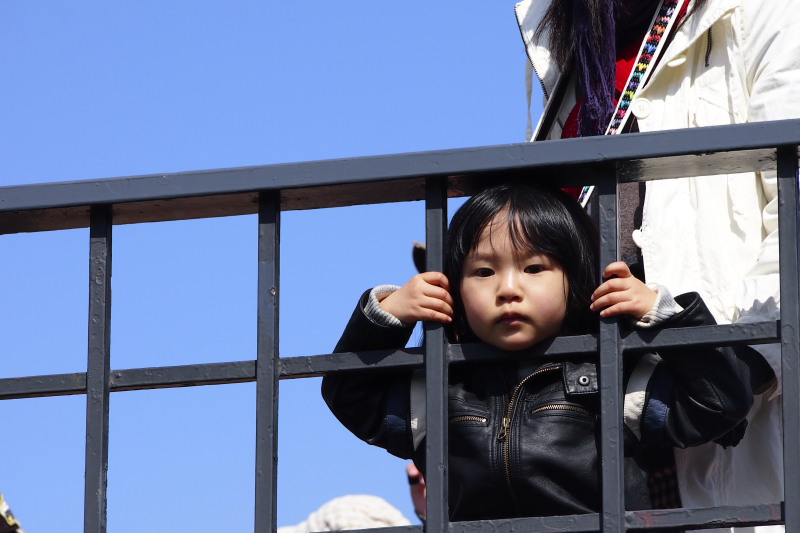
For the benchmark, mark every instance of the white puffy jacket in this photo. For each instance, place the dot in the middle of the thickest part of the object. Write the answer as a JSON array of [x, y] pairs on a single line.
[[731, 61]]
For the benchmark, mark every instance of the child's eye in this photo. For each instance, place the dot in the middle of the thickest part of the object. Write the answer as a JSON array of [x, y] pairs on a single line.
[[484, 272], [534, 269]]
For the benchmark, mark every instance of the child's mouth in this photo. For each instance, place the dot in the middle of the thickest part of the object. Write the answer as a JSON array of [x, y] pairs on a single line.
[[512, 319]]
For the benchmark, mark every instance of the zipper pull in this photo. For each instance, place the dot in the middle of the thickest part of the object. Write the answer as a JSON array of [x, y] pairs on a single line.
[[504, 429]]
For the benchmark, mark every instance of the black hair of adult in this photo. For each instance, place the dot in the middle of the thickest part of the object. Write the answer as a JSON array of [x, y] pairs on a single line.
[[541, 219], [557, 25]]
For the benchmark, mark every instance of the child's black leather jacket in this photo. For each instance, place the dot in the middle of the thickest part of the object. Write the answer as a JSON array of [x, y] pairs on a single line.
[[524, 438]]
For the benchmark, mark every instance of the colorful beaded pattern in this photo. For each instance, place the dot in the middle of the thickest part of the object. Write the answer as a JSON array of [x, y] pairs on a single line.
[[649, 49], [646, 54]]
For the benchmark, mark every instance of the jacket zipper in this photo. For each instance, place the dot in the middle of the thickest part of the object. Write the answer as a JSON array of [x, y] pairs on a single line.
[[505, 428], [468, 418], [561, 407]]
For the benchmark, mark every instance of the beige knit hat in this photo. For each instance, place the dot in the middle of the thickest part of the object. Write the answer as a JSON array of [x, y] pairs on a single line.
[[354, 511]]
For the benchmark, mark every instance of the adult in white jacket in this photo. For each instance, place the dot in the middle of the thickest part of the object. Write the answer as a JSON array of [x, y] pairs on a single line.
[[730, 61]]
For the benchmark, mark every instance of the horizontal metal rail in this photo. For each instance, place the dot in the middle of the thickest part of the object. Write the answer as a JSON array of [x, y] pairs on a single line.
[[393, 178], [655, 520], [318, 365]]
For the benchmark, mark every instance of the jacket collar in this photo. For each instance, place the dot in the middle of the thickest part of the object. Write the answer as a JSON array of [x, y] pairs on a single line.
[[695, 28], [529, 14]]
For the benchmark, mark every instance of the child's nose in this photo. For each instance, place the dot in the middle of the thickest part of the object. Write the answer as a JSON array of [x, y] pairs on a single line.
[[509, 289]]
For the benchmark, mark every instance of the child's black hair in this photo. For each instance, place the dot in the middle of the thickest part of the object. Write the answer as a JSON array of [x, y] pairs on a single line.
[[541, 219]]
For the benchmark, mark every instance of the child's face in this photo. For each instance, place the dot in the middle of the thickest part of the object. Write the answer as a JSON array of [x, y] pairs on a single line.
[[513, 299]]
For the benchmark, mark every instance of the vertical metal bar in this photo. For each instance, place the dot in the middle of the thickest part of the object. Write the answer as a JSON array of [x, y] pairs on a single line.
[[267, 363], [612, 444], [97, 371], [790, 330], [436, 376]]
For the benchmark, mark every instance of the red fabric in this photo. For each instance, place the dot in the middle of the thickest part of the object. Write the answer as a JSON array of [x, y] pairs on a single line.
[[575, 192]]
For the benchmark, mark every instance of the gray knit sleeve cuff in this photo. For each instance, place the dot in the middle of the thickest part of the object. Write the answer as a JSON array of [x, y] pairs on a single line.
[[664, 307], [375, 312]]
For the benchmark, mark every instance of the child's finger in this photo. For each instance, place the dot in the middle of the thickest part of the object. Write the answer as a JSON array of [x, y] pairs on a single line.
[[436, 278], [432, 315], [607, 300], [439, 293], [612, 285], [633, 302], [435, 310], [617, 268], [622, 308], [439, 305], [435, 285]]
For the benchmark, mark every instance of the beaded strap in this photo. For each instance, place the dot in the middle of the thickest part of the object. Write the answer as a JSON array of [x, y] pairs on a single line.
[[650, 49]]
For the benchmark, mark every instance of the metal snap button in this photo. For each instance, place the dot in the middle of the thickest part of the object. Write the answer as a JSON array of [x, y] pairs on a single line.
[[583, 380]]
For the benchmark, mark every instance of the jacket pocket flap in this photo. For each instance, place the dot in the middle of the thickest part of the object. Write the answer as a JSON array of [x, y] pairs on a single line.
[[580, 378]]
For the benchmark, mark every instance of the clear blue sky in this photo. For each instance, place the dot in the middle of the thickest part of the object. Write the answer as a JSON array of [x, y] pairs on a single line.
[[97, 89]]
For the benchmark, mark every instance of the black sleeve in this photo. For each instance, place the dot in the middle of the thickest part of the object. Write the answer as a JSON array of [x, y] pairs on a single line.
[[372, 404], [700, 394]]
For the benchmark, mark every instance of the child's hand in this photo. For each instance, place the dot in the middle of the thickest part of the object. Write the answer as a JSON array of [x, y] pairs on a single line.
[[425, 297], [622, 295]]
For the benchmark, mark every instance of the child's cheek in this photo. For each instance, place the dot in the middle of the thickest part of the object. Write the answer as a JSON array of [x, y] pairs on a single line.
[[479, 323], [472, 311]]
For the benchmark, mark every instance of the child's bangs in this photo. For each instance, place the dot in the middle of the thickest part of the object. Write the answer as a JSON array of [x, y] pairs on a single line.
[[524, 230]]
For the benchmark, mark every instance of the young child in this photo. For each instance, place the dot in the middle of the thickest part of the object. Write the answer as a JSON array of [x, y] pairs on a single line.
[[520, 268]]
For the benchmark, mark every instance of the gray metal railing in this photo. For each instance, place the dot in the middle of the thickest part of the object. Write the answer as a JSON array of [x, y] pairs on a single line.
[[433, 176]]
